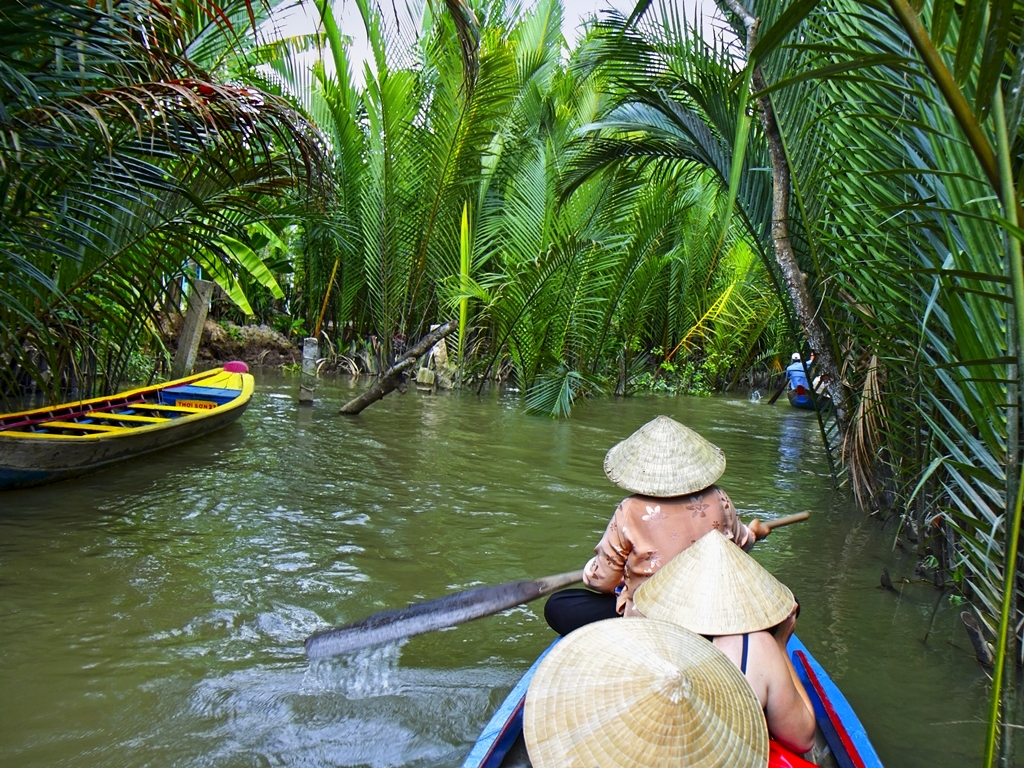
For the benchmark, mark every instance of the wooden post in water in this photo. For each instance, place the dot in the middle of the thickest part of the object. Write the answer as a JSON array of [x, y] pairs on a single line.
[[192, 332], [307, 384]]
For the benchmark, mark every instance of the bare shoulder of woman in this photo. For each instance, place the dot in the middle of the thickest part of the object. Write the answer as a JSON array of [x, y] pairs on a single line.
[[790, 720]]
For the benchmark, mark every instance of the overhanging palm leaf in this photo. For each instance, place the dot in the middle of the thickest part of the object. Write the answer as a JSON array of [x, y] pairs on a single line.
[[114, 141], [899, 194]]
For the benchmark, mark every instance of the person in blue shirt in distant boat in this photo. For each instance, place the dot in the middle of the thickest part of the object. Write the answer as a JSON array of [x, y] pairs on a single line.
[[796, 374]]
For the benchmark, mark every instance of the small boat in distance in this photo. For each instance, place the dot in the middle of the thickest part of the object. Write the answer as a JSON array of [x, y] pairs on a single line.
[[45, 445], [800, 397], [840, 741]]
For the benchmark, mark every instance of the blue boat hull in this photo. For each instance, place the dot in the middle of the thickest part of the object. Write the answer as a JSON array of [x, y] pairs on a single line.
[[839, 727], [801, 401]]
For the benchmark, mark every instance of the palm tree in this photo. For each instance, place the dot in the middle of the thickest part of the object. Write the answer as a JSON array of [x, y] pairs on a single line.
[[677, 105], [908, 179], [123, 158], [573, 285], [408, 150], [903, 148], [899, 134], [450, 165]]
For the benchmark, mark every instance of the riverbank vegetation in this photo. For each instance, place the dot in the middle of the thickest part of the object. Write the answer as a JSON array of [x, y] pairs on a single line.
[[657, 207], [615, 286]]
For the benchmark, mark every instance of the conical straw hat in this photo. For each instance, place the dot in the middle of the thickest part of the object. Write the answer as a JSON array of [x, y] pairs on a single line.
[[715, 588], [664, 458], [639, 693]]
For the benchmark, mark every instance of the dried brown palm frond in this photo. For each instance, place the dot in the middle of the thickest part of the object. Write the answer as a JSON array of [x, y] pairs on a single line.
[[866, 436]]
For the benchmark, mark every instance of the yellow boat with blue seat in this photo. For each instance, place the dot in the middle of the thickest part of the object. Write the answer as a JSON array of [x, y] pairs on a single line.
[[45, 445]]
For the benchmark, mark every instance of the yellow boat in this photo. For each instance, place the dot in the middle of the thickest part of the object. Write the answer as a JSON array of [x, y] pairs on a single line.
[[45, 445]]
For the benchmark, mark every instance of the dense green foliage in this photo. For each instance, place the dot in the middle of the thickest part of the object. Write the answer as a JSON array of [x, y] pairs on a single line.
[[605, 287], [634, 279], [124, 158], [903, 135]]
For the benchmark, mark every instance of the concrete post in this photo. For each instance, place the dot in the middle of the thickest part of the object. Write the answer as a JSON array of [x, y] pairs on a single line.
[[310, 352], [192, 332]]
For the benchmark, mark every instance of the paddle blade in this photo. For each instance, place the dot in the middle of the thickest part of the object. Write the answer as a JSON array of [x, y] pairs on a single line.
[[448, 611]]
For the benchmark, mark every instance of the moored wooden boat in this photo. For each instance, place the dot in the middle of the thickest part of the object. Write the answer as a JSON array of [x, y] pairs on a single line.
[[841, 739], [44, 445]]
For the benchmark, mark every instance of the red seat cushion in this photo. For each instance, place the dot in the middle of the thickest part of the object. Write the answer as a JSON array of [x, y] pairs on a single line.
[[780, 757]]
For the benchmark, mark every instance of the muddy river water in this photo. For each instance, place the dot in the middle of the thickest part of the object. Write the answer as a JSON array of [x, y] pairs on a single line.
[[153, 614]]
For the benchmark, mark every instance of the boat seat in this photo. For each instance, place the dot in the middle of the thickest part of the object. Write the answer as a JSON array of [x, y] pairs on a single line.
[[202, 394], [166, 408], [125, 417], [76, 425], [222, 380]]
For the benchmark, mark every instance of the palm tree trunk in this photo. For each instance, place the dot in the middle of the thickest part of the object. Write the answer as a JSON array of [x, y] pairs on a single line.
[[793, 278]]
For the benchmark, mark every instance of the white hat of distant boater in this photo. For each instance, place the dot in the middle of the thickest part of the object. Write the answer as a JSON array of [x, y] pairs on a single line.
[[795, 357], [623, 693], [715, 588], [664, 458]]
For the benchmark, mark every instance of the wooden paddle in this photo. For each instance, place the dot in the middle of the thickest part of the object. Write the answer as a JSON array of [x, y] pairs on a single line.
[[785, 381], [450, 610]]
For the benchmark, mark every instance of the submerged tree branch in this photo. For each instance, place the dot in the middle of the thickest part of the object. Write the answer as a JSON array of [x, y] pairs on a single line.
[[393, 376]]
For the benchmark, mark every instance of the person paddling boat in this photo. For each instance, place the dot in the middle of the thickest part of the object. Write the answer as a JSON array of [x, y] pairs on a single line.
[[671, 471]]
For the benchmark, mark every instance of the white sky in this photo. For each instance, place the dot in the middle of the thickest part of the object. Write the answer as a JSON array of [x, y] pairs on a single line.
[[303, 18]]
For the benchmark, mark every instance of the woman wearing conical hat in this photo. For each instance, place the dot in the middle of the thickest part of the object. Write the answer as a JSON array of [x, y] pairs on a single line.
[[716, 590], [670, 470], [678, 701]]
